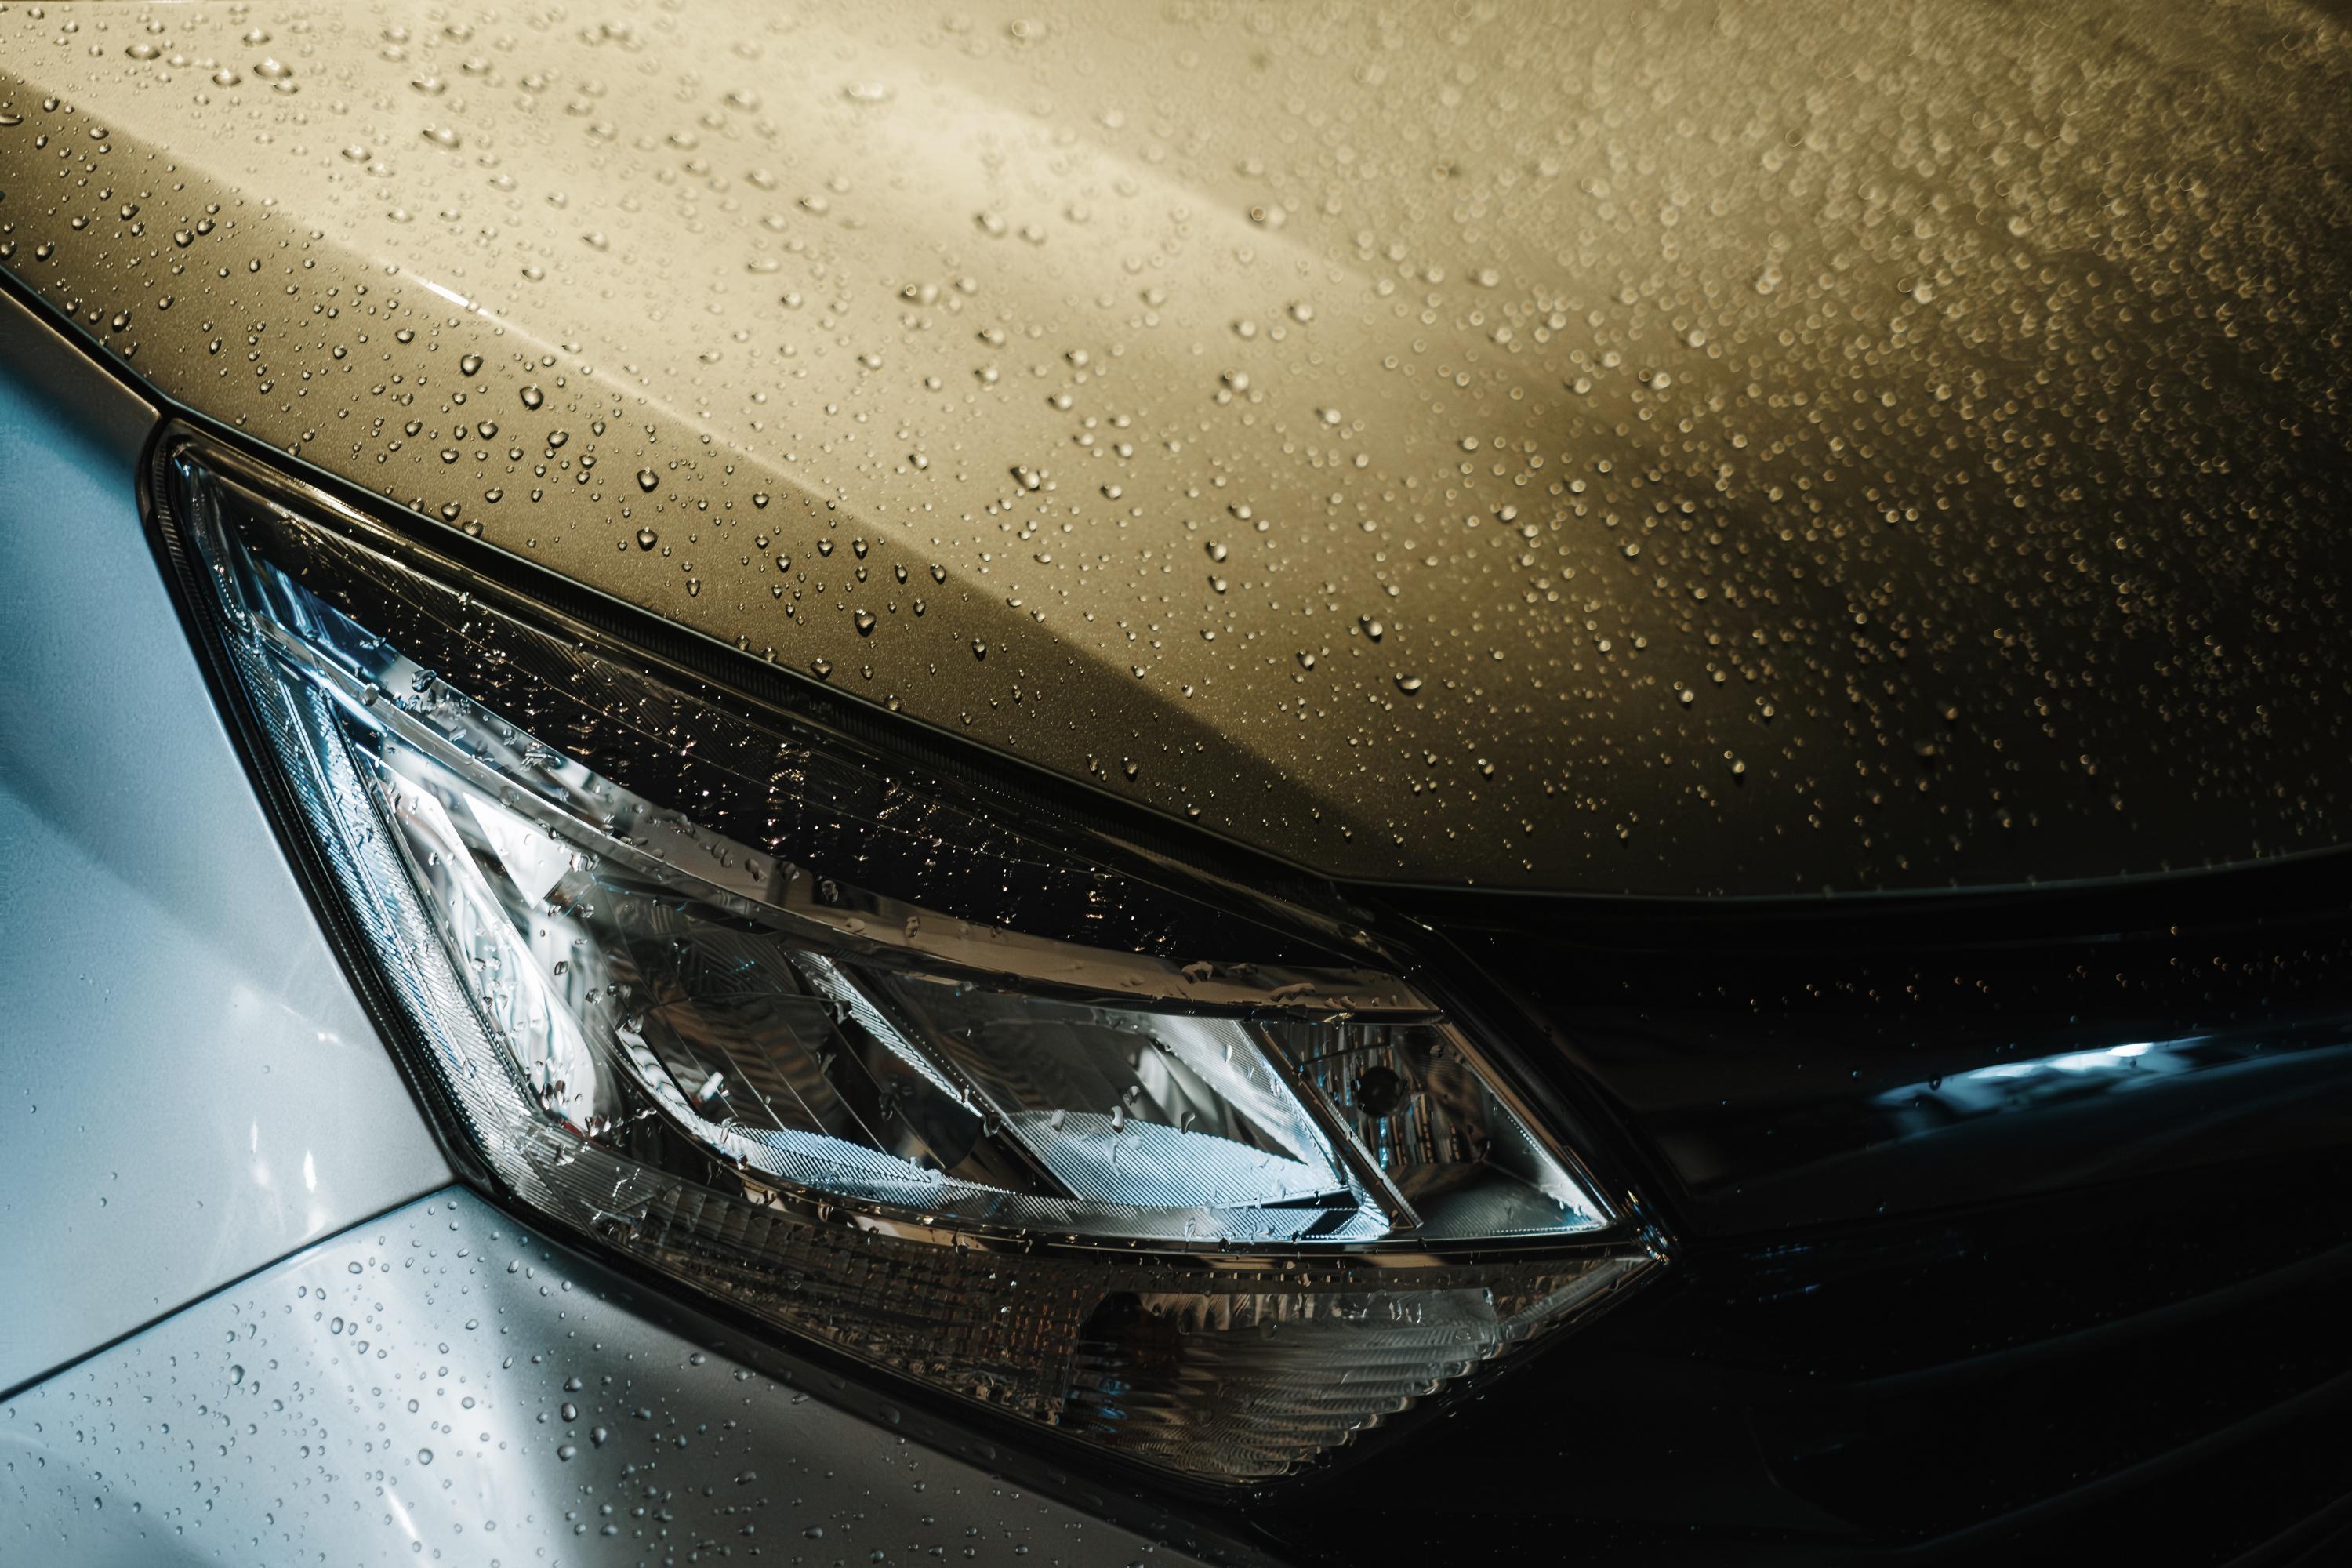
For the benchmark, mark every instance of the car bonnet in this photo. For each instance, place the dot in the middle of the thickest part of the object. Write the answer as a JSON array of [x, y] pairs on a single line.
[[1680, 450]]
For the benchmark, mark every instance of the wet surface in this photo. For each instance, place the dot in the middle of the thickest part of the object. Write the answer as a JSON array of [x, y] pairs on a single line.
[[192, 1088], [1679, 449], [435, 1385]]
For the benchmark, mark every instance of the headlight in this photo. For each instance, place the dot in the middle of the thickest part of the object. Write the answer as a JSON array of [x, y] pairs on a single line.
[[856, 1050]]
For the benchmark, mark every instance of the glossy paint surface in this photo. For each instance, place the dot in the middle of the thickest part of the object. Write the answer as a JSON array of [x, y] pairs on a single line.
[[1619, 448], [191, 1088], [1840, 1066], [438, 1385]]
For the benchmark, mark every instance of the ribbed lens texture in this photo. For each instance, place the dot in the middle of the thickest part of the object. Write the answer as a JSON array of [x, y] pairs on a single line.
[[1143, 1221]]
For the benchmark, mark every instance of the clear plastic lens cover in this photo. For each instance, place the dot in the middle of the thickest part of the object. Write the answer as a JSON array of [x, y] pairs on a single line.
[[845, 1107]]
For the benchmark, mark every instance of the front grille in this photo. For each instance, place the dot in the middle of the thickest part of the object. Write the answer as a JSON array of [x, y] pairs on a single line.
[[2164, 1363]]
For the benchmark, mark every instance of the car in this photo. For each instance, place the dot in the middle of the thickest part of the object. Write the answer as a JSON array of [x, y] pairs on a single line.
[[1262, 786]]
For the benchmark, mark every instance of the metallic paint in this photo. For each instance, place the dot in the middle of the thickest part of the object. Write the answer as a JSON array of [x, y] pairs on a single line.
[[1779, 448], [192, 1090], [438, 1384]]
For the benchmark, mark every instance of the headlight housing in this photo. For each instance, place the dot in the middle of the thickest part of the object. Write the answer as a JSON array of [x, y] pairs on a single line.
[[846, 1046]]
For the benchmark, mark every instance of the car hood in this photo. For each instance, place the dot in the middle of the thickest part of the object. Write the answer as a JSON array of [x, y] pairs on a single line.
[[1693, 450]]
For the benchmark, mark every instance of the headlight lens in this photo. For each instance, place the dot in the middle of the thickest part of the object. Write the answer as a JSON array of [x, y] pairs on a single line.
[[823, 1044]]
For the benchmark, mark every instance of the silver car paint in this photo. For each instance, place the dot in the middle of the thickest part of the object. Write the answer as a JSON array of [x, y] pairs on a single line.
[[193, 1089], [435, 1385]]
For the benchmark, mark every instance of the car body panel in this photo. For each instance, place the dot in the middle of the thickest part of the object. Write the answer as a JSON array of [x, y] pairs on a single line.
[[1852, 1065], [1783, 450], [194, 1089], [438, 1383]]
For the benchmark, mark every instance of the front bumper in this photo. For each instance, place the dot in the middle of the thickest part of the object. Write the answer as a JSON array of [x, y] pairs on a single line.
[[442, 1384]]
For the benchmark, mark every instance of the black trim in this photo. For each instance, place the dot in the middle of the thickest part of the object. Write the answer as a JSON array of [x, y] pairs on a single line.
[[2310, 880]]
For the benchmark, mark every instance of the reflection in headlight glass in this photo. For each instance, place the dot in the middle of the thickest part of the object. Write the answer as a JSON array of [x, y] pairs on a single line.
[[1056, 1179]]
